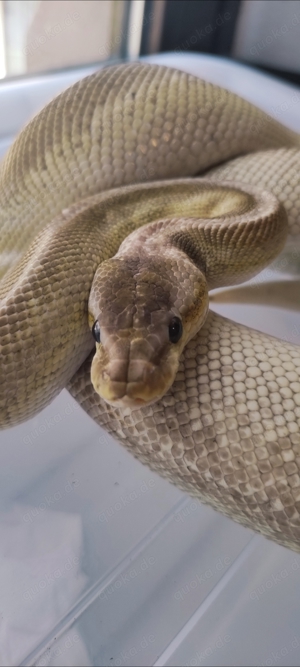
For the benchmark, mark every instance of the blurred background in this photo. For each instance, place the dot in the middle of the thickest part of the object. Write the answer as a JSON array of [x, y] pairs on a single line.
[[44, 35]]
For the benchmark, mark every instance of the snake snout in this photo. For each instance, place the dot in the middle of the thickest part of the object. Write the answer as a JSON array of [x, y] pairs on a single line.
[[132, 376], [119, 384]]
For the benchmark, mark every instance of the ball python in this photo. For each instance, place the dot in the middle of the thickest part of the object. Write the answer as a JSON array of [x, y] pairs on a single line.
[[109, 234]]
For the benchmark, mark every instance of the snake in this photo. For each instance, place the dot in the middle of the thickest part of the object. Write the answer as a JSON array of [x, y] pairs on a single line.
[[123, 202]]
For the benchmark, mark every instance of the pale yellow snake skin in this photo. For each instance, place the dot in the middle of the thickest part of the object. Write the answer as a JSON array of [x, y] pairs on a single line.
[[227, 430]]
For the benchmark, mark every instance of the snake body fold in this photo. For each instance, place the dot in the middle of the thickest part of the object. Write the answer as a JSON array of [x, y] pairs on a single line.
[[86, 173]]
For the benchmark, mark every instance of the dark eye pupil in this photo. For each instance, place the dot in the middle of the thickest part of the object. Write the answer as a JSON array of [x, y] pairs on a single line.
[[96, 331], [175, 330]]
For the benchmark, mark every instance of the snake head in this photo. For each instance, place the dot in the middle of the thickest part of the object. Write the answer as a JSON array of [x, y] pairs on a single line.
[[142, 312]]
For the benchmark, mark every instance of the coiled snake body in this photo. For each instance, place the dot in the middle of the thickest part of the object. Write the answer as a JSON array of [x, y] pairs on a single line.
[[216, 410]]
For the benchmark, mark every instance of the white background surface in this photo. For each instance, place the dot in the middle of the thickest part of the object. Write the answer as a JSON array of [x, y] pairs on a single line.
[[101, 561]]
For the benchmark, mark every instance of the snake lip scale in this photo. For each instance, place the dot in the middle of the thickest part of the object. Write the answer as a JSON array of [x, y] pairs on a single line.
[[107, 226]]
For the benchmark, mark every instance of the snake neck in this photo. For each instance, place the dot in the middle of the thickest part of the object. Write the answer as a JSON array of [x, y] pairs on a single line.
[[213, 245]]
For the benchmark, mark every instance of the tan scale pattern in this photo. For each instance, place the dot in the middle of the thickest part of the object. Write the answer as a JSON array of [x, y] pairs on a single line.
[[228, 428], [124, 124], [274, 170], [44, 332]]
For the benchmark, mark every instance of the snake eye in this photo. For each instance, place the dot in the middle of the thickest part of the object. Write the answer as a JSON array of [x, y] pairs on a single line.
[[96, 331], [175, 330]]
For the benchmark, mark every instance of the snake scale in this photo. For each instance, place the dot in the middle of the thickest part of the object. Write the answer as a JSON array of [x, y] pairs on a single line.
[[109, 167]]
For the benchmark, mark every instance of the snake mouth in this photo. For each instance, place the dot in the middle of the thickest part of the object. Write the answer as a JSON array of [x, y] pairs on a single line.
[[152, 384], [126, 400]]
